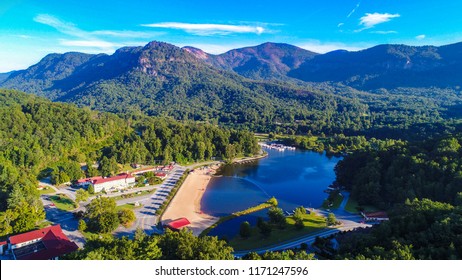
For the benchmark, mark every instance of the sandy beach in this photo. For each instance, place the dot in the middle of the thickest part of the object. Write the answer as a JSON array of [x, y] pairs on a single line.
[[187, 201]]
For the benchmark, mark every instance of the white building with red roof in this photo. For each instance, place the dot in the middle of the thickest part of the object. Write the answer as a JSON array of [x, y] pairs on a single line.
[[43, 244], [118, 182], [99, 183]]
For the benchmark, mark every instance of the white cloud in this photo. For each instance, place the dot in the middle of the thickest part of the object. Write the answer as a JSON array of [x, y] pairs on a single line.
[[213, 48], [61, 26], [125, 33], [102, 40], [371, 20], [340, 24], [207, 29], [354, 10], [385, 32], [420, 37]]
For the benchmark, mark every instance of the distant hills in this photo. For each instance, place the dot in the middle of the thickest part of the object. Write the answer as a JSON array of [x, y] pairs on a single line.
[[383, 66], [265, 61], [387, 66]]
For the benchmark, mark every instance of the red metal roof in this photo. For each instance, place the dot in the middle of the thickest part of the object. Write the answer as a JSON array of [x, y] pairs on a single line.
[[52, 243], [31, 235], [178, 223], [114, 178], [3, 243], [161, 174], [89, 179]]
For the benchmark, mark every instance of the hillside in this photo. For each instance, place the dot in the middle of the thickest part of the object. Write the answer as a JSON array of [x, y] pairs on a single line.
[[266, 61], [387, 66], [160, 79]]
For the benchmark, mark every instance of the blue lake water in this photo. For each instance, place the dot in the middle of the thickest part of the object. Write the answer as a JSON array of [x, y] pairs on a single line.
[[295, 178]]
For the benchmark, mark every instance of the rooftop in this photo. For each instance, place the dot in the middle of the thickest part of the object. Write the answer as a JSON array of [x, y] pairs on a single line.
[[52, 243], [178, 223], [122, 176]]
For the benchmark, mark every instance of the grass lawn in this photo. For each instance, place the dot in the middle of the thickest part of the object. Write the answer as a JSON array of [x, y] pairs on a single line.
[[47, 190], [130, 206], [336, 203], [90, 235], [352, 207], [311, 221], [63, 202]]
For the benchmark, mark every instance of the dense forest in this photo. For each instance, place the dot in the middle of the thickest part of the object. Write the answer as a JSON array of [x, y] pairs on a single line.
[[420, 186], [40, 138]]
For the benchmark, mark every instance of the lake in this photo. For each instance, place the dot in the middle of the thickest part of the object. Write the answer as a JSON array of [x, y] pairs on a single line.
[[295, 178]]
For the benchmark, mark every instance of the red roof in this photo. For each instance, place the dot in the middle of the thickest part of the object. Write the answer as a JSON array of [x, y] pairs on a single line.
[[114, 178], [53, 243], [2, 243], [178, 223], [80, 181], [161, 174]]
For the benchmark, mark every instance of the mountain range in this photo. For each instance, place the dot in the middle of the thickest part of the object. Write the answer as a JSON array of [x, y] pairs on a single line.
[[270, 83], [383, 66]]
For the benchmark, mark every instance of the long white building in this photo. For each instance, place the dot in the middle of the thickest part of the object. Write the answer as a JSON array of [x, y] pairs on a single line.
[[118, 182]]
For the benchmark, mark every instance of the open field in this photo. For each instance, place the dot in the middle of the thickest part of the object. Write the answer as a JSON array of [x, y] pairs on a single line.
[[63, 202], [47, 190]]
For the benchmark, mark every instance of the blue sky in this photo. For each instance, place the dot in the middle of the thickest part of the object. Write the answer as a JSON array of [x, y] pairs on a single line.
[[30, 29]]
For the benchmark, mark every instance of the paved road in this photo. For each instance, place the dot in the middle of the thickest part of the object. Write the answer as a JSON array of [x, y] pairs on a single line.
[[66, 219], [146, 217]]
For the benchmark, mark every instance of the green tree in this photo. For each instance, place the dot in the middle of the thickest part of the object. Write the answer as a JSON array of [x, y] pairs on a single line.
[[91, 189], [81, 195], [273, 201], [299, 213], [183, 245], [245, 230], [108, 166], [277, 217], [91, 171], [102, 215], [265, 229], [331, 219], [82, 225], [7, 219], [126, 217], [230, 152]]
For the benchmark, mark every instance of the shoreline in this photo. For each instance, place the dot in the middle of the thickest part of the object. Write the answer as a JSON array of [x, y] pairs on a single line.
[[250, 159], [187, 201]]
